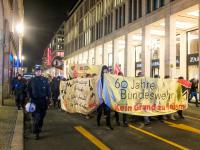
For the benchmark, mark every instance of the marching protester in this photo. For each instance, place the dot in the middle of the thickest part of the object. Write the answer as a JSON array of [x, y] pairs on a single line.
[[193, 91], [55, 91], [147, 120], [102, 104], [117, 114], [19, 91], [180, 112], [14, 79], [39, 94]]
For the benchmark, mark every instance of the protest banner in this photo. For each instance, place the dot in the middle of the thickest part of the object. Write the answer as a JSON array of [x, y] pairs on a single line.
[[78, 95], [79, 70], [144, 96]]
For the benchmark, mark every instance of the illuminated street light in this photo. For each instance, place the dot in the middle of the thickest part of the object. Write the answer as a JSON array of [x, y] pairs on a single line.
[[20, 28], [22, 58]]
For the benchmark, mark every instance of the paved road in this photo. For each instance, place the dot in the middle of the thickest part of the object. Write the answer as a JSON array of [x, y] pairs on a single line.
[[63, 131]]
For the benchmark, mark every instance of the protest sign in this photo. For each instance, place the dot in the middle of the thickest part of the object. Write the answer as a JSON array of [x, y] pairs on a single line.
[[144, 96], [78, 95]]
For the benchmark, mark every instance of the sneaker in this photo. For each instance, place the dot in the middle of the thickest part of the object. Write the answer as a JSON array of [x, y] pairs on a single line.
[[125, 124], [172, 117], [147, 123], [109, 128], [87, 117], [37, 136], [164, 117], [118, 123]]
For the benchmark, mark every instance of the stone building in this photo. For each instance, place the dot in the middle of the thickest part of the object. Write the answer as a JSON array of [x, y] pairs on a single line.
[[11, 19], [156, 37]]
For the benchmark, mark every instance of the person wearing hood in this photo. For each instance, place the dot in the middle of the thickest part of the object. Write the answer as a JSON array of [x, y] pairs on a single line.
[[103, 106]]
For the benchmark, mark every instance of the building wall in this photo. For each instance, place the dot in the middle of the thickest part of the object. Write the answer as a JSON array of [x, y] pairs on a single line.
[[10, 15], [144, 22]]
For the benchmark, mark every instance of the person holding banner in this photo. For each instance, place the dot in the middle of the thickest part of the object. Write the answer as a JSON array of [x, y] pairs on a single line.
[[147, 120], [102, 104], [117, 114]]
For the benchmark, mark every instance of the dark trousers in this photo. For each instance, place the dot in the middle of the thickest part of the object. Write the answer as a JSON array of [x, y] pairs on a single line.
[[193, 94], [99, 111], [117, 117], [38, 118], [19, 99]]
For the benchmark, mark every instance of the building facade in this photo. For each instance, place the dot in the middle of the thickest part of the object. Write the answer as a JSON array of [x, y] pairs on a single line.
[[156, 37], [11, 16], [54, 48]]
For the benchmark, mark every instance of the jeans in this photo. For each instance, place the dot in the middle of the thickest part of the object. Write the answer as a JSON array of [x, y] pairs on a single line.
[[193, 94]]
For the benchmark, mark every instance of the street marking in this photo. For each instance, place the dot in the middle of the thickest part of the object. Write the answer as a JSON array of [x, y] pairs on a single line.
[[91, 138], [183, 127], [159, 138], [192, 118]]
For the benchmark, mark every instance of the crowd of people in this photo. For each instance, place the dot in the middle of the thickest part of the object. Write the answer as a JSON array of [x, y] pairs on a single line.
[[44, 91]]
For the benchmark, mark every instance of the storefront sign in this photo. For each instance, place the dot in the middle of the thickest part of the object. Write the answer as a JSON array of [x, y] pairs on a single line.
[[57, 62], [79, 70], [138, 65], [193, 59], [155, 63]]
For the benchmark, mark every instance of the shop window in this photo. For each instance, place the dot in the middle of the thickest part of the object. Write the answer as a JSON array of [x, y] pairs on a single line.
[[193, 42], [138, 53], [109, 60]]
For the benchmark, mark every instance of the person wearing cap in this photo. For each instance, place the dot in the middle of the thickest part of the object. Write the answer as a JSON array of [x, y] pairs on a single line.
[[19, 91], [39, 94]]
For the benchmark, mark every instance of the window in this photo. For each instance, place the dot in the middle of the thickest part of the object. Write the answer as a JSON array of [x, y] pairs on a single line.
[[108, 24], [148, 6], [155, 4], [120, 16], [193, 44], [162, 3], [135, 9]]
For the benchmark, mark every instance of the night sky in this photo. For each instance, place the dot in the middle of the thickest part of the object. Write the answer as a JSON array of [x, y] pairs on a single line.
[[42, 19]]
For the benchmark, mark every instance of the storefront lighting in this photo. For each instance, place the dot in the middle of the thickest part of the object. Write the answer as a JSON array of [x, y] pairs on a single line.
[[184, 25], [157, 32], [194, 13], [137, 37], [121, 42], [20, 28], [193, 37]]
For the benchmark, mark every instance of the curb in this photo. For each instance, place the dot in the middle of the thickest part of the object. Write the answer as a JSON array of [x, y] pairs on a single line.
[[18, 136]]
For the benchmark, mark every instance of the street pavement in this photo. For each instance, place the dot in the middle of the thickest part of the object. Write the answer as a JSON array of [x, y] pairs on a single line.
[[8, 116], [64, 131]]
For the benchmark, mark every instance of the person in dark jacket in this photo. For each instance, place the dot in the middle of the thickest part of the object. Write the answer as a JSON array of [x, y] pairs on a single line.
[[19, 91], [39, 94], [193, 91], [55, 90], [103, 105]]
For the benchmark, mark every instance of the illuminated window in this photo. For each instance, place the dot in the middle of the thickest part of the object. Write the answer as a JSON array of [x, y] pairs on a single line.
[[193, 42]]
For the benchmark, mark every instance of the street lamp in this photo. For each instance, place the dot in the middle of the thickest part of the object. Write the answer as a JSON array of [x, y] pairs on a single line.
[[20, 28]]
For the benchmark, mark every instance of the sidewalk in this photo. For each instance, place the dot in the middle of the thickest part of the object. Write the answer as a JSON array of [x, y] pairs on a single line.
[[8, 117]]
